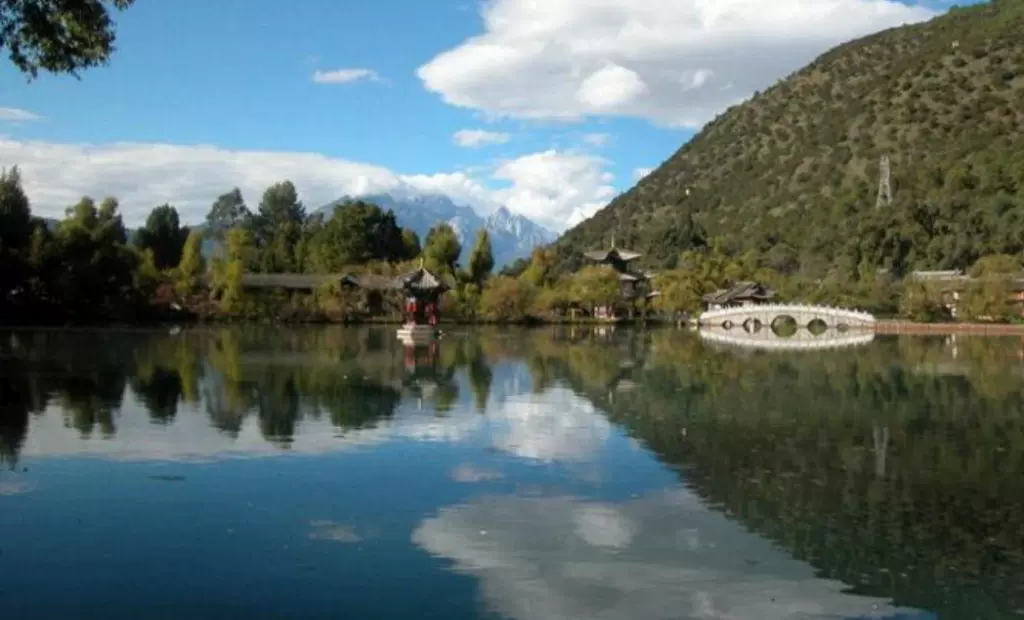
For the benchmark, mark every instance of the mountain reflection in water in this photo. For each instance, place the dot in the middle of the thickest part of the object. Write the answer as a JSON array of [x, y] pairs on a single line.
[[555, 473]]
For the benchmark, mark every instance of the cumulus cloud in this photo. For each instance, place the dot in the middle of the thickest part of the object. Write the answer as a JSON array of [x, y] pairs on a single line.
[[345, 76], [664, 555], [472, 138], [17, 115], [555, 188], [640, 173], [674, 63]]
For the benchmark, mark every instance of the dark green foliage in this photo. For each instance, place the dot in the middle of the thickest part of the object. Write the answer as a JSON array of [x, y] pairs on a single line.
[[58, 36], [15, 234], [411, 242], [278, 227], [792, 175], [442, 248], [357, 233], [15, 212], [481, 258], [164, 236], [227, 212], [84, 269]]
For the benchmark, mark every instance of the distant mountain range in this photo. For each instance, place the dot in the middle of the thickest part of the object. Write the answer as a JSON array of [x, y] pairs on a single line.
[[512, 236]]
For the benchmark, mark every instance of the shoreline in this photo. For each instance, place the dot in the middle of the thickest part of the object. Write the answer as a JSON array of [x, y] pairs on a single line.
[[893, 326], [882, 326]]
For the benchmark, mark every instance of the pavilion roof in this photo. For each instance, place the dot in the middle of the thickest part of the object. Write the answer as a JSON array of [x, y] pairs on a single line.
[[421, 280]]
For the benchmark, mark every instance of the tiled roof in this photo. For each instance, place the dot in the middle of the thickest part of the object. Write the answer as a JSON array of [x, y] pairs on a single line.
[[603, 255], [372, 281], [311, 282], [740, 290], [422, 280]]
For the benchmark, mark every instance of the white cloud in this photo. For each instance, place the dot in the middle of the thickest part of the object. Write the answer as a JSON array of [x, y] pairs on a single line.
[[640, 173], [345, 76], [675, 63], [17, 115], [597, 139], [472, 138], [555, 188]]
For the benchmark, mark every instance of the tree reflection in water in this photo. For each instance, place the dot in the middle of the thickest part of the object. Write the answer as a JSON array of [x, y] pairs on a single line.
[[895, 467]]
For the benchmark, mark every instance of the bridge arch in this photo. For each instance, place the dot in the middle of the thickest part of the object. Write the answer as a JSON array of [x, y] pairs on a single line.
[[817, 325]]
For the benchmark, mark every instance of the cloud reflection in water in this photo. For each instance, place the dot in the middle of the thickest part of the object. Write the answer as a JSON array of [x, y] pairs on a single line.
[[664, 555]]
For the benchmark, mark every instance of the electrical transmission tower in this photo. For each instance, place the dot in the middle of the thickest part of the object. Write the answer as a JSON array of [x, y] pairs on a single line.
[[884, 183]]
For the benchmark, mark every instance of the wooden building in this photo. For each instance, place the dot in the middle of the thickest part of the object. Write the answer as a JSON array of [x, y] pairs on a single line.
[[634, 285], [422, 292], [951, 286], [740, 294], [379, 293]]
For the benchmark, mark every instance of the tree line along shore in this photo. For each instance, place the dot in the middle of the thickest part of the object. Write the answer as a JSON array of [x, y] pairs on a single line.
[[89, 268]]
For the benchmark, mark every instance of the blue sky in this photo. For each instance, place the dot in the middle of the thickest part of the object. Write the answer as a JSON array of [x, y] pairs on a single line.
[[577, 96]]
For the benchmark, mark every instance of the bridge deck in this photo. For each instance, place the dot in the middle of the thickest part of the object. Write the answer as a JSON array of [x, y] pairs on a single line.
[[803, 314]]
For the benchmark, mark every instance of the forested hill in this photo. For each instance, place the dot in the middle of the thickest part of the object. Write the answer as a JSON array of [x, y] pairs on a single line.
[[792, 175]]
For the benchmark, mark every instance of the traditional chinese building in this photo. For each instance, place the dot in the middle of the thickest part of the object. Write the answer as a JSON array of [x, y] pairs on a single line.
[[422, 296], [634, 286], [740, 294]]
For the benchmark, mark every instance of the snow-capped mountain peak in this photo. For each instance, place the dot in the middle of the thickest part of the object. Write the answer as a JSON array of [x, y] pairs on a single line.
[[513, 236]]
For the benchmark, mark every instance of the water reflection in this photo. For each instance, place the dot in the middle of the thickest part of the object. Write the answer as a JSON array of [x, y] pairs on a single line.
[[798, 340], [575, 474], [664, 555]]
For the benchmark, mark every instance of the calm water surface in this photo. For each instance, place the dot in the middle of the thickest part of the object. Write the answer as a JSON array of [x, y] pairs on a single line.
[[329, 473]]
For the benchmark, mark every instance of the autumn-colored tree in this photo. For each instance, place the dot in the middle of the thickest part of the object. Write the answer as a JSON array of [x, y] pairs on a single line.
[[190, 269], [507, 300], [596, 285], [538, 271], [679, 291], [921, 302]]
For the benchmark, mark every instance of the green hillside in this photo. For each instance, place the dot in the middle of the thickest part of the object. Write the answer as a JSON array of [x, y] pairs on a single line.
[[792, 175]]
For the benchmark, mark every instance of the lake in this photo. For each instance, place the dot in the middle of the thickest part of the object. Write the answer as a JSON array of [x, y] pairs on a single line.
[[262, 472]]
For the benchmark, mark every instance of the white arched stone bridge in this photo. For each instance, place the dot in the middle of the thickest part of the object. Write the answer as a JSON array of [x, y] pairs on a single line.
[[754, 318]]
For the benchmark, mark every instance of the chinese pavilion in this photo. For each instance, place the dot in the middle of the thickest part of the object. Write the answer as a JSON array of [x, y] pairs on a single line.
[[634, 286], [422, 295]]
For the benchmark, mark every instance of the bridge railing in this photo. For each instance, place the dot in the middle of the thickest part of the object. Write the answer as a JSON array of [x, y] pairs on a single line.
[[782, 309]]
